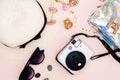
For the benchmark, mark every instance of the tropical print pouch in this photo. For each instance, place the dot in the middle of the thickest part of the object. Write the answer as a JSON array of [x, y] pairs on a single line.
[[106, 20]]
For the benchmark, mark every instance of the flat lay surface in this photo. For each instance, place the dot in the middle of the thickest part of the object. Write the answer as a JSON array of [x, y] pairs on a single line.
[[63, 22]]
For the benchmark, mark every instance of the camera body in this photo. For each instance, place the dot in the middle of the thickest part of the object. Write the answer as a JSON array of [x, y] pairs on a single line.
[[74, 55]]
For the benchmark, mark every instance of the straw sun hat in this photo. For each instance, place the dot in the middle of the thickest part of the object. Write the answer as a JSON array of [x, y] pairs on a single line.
[[20, 21]]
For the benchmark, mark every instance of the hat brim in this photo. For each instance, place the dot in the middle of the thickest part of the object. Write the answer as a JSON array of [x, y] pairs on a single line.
[[20, 21]]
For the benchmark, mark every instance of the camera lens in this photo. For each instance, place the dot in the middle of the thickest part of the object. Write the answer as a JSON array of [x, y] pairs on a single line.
[[75, 60]]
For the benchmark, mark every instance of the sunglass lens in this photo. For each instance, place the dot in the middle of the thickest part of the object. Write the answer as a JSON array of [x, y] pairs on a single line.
[[27, 74], [37, 57]]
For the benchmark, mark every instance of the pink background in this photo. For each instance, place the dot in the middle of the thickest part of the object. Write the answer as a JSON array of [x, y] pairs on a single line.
[[54, 38]]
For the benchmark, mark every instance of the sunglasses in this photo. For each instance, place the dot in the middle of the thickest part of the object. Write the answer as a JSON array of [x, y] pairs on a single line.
[[36, 58]]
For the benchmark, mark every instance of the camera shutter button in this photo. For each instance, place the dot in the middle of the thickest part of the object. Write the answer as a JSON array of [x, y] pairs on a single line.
[[70, 47]]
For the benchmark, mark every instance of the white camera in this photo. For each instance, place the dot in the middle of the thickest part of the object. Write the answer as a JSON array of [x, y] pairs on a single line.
[[74, 56]]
